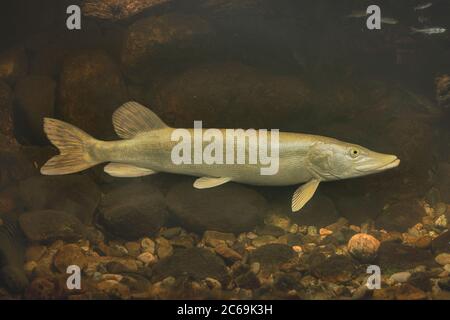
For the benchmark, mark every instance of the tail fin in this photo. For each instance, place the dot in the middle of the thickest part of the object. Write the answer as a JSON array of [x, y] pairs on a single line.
[[72, 144]]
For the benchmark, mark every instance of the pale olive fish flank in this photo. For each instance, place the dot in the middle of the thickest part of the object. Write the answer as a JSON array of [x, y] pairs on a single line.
[[147, 145]]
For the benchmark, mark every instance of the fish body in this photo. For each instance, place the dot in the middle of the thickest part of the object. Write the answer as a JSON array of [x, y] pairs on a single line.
[[148, 144], [423, 6], [429, 31]]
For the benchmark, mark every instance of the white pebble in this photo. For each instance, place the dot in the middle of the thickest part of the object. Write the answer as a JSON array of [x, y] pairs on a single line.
[[400, 277]]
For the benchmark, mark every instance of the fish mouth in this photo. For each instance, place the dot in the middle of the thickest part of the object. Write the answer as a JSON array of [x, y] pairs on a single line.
[[392, 164]]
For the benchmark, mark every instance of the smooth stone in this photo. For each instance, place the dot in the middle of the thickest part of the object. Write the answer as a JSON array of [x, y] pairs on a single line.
[[394, 257], [400, 277], [75, 194], [271, 256], [133, 210], [230, 208], [443, 259], [401, 216], [194, 262], [91, 88], [50, 225]]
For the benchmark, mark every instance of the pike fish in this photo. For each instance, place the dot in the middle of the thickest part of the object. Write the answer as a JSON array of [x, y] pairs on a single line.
[[146, 148]]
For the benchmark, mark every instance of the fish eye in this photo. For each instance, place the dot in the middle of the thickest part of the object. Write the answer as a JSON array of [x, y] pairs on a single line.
[[354, 152]]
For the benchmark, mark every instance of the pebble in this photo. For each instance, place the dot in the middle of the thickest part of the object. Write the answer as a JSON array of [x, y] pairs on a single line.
[[363, 247], [255, 267], [441, 221], [312, 231], [147, 258], [263, 240], [29, 267], [164, 248], [325, 232], [228, 253], [400, 277], [297, 249], [252, 235], [114, 288], [134, 248], [148, 245], [280, 221], [447, 267], [443, 259], [215, 238], [213, 283], [423, 242]]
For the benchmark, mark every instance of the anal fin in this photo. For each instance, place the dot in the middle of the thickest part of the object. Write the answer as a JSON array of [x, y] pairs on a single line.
[[122, 170], [209, 182], [303, 194]]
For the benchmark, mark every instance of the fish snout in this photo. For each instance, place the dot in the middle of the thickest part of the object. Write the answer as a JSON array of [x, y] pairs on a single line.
[[389, 162]]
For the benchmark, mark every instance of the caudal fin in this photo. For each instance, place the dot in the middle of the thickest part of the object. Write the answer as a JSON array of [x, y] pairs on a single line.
[[73, 144]]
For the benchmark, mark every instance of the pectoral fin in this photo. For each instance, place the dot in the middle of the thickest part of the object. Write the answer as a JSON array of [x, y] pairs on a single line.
[[208, 182], [303, 194], [122, 170]]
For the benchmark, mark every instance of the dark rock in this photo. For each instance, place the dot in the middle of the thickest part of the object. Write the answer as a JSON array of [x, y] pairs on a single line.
[[421, 280], [13, 64], [6, 111], [170, 38], [444, 284], [227, 208], [115, 10], [441, 244], [14, 163], [75, 194], [50, 225], [12, 254], [91, 89], [285, 282], [337, 268], [443, 181], [401, 216], [319, 211], [13, 278], [204, 92], [395, 257], [194, 262], [248, 280], [134, 210], [271, 256], [35, 98]]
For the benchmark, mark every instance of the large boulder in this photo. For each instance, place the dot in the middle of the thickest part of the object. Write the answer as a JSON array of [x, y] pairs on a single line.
[[163, 40], [91, 89], [35, 99], [133, 210], [75, 194], [232, 95], [228, 208]]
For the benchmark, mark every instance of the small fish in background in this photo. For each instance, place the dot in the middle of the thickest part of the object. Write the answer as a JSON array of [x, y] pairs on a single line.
[[357, 14], [423, 6], [429, 31], [388, 20]]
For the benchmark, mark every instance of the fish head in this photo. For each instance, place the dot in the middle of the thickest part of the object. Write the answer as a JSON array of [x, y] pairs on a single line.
[[339, 160]]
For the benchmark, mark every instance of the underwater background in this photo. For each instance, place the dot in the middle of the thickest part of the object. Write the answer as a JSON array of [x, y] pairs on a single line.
[[300, 66]]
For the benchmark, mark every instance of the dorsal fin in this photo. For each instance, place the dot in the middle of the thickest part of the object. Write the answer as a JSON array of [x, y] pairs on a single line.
[[133, 118]]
